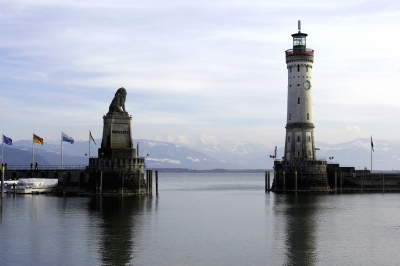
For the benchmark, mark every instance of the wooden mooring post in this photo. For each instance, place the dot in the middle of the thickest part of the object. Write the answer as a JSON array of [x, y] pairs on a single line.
[[101, 182], [361, 183], [284, 184], [122, 182], [150, 182], [147, 181], [64, 184], [150, 173], [341, 182], [335, 180], [138, 174], [156, 182]]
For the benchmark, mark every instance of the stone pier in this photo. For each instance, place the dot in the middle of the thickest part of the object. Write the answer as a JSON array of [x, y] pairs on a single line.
[[311, 176]]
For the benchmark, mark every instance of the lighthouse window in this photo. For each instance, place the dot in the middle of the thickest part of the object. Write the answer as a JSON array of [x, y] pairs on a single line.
[[306, 68], [290, 69], [298, 100], [308, 116], [298, 138], [288, 139], [308, 138], [290, 116], [298, 68]]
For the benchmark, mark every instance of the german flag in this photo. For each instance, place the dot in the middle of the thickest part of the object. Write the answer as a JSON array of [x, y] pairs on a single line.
[[38, 140]]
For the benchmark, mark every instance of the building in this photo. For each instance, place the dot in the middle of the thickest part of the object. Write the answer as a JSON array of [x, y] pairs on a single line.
[[300, 169]]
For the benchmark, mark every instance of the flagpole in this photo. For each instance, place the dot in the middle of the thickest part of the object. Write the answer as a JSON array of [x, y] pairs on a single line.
[[371, 158], [372, 147], [33, 151], [61, 152], [2, 151], [89, 145]]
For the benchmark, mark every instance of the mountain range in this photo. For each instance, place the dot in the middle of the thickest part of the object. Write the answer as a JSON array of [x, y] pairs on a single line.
[[207, 152]]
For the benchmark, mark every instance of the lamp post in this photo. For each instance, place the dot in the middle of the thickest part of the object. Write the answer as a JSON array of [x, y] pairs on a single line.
[[274, 156]]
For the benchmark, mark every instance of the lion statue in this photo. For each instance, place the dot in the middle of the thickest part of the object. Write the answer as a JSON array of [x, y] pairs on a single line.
[[118, 103]]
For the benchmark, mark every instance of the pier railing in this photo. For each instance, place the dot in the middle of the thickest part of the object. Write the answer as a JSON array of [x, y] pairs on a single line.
[[116, 164], [46, 167], [292, 52], [301, 162]]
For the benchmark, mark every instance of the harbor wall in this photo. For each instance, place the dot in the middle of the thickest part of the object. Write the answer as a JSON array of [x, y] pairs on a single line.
[[308, 175]]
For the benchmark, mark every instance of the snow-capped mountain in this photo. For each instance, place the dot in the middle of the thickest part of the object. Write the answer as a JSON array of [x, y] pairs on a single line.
[[158, 154], [207, 152], [168, 155], [244, 154], [256, 155], [357, 153]]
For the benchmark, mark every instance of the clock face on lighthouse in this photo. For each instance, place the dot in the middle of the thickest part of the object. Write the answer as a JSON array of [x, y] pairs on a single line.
[[307, 85]]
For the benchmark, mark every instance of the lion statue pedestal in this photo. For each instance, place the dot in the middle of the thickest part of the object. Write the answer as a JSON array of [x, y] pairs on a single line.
[[117, 136], [117, 170]]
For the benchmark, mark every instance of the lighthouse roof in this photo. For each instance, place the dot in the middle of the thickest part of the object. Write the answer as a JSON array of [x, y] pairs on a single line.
[[299, 34]]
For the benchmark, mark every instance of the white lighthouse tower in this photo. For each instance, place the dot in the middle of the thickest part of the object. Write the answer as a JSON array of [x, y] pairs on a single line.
[[299, 169], [299, 144]]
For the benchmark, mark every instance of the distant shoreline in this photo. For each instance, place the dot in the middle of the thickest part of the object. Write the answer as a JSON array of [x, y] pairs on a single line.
[[218, 170], [188, 170]]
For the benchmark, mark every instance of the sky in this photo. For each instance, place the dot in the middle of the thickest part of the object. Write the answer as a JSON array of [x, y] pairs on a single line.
[[192, 68]]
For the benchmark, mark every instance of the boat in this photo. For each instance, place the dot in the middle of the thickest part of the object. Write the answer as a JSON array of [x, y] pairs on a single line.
[[9, 185], [35, 185]]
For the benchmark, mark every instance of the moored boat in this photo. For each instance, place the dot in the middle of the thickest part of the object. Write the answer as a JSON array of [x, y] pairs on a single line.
[[35, 185], [9, 185]]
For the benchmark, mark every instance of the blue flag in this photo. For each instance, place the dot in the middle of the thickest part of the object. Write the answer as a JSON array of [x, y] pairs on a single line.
[[67, 138], [7, 140]]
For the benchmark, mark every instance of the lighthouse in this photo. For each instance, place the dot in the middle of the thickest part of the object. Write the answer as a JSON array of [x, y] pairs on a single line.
[[299, 169], [299, 144]]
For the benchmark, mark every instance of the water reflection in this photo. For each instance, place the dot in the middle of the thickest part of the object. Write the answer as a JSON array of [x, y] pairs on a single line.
[[1, 209], [121, 223], [300, 227]]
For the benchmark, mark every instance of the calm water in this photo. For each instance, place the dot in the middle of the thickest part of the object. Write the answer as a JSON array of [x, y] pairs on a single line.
[[202, 219]]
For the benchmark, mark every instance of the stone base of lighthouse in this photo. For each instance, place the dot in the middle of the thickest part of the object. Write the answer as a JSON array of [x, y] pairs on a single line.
[[300, 176]]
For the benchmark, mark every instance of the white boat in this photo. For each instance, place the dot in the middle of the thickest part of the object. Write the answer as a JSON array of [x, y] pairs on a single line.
[[9, 185], [35, 185]]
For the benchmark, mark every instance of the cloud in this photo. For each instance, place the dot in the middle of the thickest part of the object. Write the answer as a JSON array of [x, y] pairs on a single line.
[[200, 67], [354, 129]]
